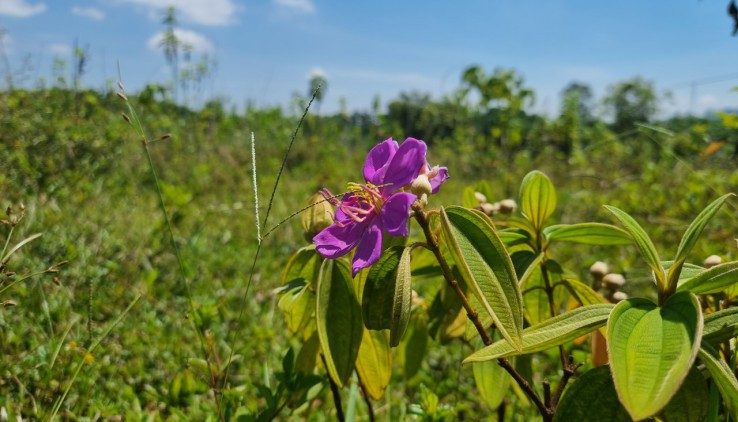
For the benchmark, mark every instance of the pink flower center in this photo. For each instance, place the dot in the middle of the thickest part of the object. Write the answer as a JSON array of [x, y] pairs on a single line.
[[358, 203]]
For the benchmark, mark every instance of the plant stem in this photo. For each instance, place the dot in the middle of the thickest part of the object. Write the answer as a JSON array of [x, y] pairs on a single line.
[[422, 218], [367, 399], [336, 394], [551, 306]]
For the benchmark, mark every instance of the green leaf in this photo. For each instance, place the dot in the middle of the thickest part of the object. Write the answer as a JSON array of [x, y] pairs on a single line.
[[591, 398], [468, 199], [691, 236], [712, 280], [412, 349], [651, 349], [304, 264], [721, 326], [486, 268], [644, 243], [379, 290], [339, 324], [588, 234], [537, 307], [492, 381], [512, 237], [537, 198], [691, 402], [298, 306], [374, 362], [723, 377], [688, 270], [401, 305], [553, 332], [584, 294]]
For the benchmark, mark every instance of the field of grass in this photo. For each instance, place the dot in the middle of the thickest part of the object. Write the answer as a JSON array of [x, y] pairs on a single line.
[[82, 175]]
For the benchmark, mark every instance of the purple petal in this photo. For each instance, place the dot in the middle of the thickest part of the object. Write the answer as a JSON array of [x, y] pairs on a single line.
[[335, 241], [439, 178], [405, 165], [395, 213], [377, 161], [369, 249]]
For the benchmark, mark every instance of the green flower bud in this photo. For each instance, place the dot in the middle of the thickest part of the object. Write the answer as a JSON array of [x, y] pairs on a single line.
[[317, 217]]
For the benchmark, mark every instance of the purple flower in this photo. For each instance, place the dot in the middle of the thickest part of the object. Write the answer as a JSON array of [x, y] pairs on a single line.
[[378, 205]]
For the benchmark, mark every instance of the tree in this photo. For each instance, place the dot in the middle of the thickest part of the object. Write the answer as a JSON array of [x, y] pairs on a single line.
[[631, 101], [577, 97]]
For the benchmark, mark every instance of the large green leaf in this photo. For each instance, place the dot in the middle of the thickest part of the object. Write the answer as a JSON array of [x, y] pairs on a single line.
[[374, 362], [721, 326], [592, 398], [553, 332], [713, 280], [651, 349], [584, 294], [379, 290], [588, 234], [723, 377], [691, 402], [644, 243], [303, 264], [402, 302], [486, 268], [413, 347], [691, 236], [492, 381], [537, 198], [340, 328], [512, 237]]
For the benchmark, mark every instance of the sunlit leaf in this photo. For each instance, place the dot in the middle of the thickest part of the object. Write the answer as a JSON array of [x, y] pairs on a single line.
[[720, 326], [691, 401], [413, 347], [486, 268], [339, 323], [297, 304], [691, 236], [304, 264], [492, 381], [588, 234], [553, 332], [374, 362], [712, 280], [535, 297], [712, 148], [723, 377], [537, 198], [468, 198], [651, 349], [402, 301], [644, 243]]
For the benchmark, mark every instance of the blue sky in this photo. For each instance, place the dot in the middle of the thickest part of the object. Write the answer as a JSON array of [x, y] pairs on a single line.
[[267, 49]]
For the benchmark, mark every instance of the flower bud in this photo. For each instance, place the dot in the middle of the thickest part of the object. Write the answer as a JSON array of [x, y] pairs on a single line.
[[317, 217], [619, 296], [599, 269], [480, 197], [712, 261], [421, 185], [490, 209], [613, 281], [508, 206]]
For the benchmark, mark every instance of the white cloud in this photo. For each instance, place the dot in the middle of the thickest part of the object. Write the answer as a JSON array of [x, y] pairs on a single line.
[[89, 12], [20, 9], [708, 100], [203, 12], [303, 6], [317, 72], [192, 39], [60, 49]]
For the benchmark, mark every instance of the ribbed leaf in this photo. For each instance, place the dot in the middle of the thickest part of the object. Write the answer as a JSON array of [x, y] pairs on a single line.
[[713, 280], [644, 243], [651, 350], [492, 381], [298, 306], [584, 294], [413, 347], [592, 398], [721, 326], [379, 290], [513, 237], [588, 234], [688, 270], [304, 264], [486, 267], [374, 362], [537, 198], [553, 332], [340, 328], [723, 377], [692, 235], [535, 299], [691, 402], [402, 299]]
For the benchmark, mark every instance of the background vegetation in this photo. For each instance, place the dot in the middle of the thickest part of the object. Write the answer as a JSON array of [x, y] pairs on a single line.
[[80, 171]]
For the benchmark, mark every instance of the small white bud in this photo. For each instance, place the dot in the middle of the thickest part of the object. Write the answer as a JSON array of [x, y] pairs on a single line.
[[613, 281], [508, 206], [712, 261], [490, 209], [421, 185], [599, 269], [480, 197], [619, 296]]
